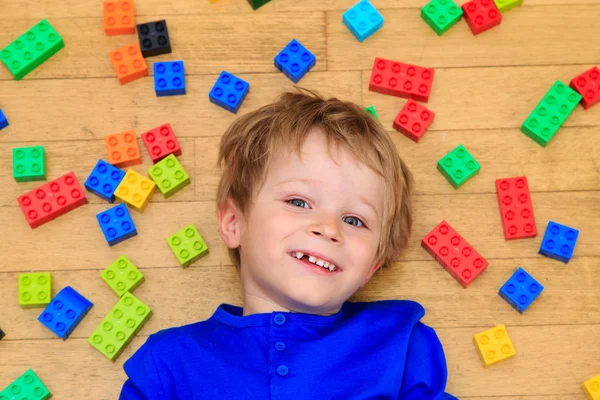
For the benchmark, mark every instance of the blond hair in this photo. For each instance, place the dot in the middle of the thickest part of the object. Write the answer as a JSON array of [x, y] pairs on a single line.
[[249, 143]]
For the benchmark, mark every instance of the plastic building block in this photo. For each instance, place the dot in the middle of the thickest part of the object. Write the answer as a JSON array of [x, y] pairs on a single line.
[[51, 200], [116, 224], [3, 120], [187, 245], [135, 190], [31, 49], [559, 242], [169, 175], [154, 38], [592, 387], [119, 17], [454, 253], [481, 15], [520, 290], [494, 345], [295, 61], [257, 3], [27, 386], [128, 63], [229, 92], [29, 164], [103, 180], [505, 5], [371, 110], [401, 80], [588, 86], [122, 276], [120, 326], [441, 15], [458, 166], [35, 289], [169, 78], [65, 312], [2, 334], [122, 148], [516, 210], [554, 109], [413, 120], [160, 142], [362, 20]]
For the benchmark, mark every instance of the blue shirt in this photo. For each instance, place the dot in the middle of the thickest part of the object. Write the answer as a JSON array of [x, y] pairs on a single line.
[[368, 350]]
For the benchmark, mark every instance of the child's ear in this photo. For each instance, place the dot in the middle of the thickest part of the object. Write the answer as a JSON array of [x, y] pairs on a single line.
[[372, 271], [230, 223]]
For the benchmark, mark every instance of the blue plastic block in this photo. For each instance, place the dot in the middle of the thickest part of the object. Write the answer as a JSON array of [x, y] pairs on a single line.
[[363, 20], [520, 290], [559, 242], [116, 224], [3, 120], [103, 180], [295, 61], [229, 92], [169, 78], [64, 312]]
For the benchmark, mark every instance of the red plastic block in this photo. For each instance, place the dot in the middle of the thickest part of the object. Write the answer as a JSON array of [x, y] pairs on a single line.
[[454, 253], [401, 80], [123, 150], [515, 208], [160, 142], [588, 86], [52, 200], [413, 120], [481, 15]]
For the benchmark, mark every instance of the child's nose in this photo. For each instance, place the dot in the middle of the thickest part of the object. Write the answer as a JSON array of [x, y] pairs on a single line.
[[328, 228]]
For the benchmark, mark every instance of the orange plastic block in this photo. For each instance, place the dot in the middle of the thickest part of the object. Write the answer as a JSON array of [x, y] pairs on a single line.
[[135, 190], [592, 387], [123, 150], [129, 63], [119, 17], [494, 345]]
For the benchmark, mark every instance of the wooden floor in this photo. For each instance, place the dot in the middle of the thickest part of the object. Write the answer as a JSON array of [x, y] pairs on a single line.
[[484, 88]]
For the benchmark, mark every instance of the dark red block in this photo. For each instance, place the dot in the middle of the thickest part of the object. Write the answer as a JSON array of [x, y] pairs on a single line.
[[160, 142], [481, 15], [413, 120], [401, 80], [515, 208], [52, 200], [588, 86]]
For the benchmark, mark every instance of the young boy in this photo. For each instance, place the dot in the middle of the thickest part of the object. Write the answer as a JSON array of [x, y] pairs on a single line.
[[313, 199]]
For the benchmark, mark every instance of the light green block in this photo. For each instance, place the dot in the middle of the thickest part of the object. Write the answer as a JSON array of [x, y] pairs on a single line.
[[505, 5], [169, 175], [187, 245], [458, 166], [29, 164], [35, 289], [371, 110], [26, 387], [441, 15], [122, 276]]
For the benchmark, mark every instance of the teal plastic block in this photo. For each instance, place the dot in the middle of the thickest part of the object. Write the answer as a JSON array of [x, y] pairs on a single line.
[[257, 3], [29, 164], [458, 166], [441, 15], [27, 386], [371, 110]]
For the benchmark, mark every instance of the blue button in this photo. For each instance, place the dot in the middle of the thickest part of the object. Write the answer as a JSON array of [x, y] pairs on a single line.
[[279, 319], [280, 346], [282, 370]]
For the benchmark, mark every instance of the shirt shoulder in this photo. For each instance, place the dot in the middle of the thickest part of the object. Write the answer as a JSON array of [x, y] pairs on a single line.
[[405, 312]]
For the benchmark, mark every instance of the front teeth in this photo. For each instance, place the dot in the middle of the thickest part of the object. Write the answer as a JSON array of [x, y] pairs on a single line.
[[317, 261]]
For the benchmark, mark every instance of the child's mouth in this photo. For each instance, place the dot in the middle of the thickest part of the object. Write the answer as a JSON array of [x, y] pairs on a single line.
[[315, 264]]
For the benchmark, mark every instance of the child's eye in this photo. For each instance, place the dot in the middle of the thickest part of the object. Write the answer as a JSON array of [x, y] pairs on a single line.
[[354, 221], [298, 203]]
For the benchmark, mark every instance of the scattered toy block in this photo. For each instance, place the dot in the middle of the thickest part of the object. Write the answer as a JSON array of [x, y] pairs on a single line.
[[187, 245], [520, 290], [119, 17], [154, 38], [505, 5], [257, 3], [27, 386], [103, 180], [592, 387], [229, 92], [29, 164], [51, 200], [458, 166], [371, 110], [587, 85], [169, 78], [120, 326], [362, 20], [35, 289], [516, 210], [454, 253], [401, 80], [295, 61], [169, 175], [160, 142], [481, 15], [122, 148], [494, 345], [31, 49], [2, 334], [135, 190], [122, 276], [550, 113], [65, 312], [413, 120], [559, 242], [3, 120], [116, 224], [441, 15], [128, 63]]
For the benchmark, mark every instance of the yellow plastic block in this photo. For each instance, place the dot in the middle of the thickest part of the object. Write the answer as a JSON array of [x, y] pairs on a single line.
[[135, 190], [592, 387], [494, 345]]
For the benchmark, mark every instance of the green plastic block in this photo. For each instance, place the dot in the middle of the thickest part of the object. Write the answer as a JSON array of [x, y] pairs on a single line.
[[505, 5], [29, 164], [188, 245], [120, 326], [556, 106], [35, 289], [458, 166], [122, 276], [371, 110], [31, 49], [257, 3], [441, 15], [169, 175], [27, 386]]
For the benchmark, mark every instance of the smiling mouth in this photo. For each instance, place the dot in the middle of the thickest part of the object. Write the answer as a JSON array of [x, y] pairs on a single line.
[[310, 260]]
